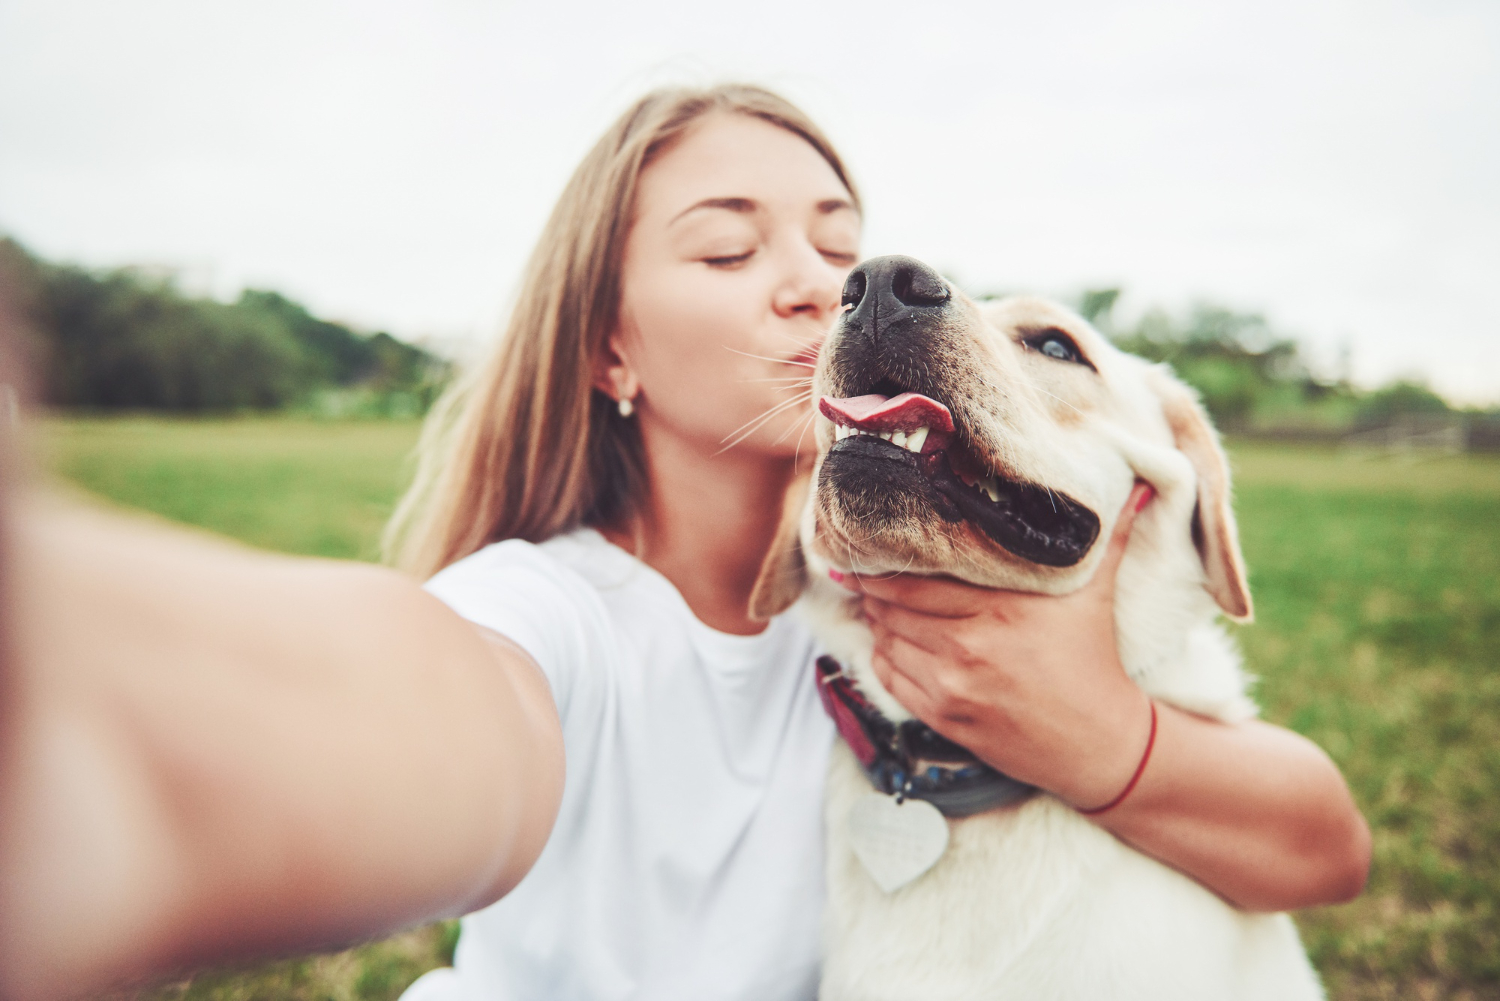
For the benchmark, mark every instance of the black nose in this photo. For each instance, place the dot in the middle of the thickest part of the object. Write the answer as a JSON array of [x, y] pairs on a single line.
[[889, 292]]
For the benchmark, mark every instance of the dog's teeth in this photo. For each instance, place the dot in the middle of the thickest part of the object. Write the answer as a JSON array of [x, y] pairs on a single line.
[[885, 435], [993, 489], [916, 438], [899, 438]]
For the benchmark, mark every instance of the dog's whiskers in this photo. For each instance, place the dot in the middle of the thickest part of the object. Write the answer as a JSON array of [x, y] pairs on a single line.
[[890, 576], [785, 434], [797, 452], [809, 340], [1059, 399], [853, 543], [755, 424], [802, 380], [779, 361]]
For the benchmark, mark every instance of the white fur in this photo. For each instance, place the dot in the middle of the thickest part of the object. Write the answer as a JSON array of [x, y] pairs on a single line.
[[1035, 901]]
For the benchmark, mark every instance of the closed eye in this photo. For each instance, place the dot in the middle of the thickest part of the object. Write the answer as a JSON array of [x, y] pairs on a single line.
[[729, 261], [839, 257], [1055, 344]]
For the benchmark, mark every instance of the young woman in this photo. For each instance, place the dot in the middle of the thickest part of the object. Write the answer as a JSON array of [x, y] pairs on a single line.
[[598, 498]]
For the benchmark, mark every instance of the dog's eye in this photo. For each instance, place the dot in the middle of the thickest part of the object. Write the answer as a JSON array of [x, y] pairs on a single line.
[[1055, 344]]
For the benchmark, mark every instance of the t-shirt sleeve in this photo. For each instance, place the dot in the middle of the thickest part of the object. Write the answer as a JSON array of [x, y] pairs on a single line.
[[525, 595]]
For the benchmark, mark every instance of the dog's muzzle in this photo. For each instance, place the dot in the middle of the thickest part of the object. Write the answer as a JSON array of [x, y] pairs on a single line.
[[897, 438]]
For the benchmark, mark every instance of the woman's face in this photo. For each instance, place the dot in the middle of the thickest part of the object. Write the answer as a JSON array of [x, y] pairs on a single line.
[[733, 270]]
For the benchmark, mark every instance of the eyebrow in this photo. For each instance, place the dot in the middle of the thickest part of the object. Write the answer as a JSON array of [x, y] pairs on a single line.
[[745, 206], [741, 205]]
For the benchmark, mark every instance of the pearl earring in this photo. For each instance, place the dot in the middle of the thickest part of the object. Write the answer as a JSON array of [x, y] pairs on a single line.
[[627, 406]]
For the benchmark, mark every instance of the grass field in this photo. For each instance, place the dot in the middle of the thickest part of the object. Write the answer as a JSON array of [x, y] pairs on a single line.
[[1377, 583], [323, 488]]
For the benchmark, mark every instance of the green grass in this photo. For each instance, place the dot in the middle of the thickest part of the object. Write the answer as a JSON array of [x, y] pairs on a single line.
[[1377, 585], [323, 488], [378, 971]]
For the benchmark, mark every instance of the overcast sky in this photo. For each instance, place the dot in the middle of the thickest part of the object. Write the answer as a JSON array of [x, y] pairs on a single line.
[[1333, 164]]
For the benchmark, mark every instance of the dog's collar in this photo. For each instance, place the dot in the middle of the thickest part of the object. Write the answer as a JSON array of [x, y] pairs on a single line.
[[910, 759]]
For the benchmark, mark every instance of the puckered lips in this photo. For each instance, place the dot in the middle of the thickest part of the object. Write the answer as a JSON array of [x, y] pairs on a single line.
[[1029, 521]]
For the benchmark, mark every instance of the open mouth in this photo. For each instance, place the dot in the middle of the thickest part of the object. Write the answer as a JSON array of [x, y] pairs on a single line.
[[910, 429]]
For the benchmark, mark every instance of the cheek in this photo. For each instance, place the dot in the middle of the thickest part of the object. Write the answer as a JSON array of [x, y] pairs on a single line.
[[692, 337], [1097, 472]]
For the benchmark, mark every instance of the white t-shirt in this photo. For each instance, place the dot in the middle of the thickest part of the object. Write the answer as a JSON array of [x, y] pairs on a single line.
[[687, 859]]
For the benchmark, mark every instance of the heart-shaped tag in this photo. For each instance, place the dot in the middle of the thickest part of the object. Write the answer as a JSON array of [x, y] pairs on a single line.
[[896, 842]]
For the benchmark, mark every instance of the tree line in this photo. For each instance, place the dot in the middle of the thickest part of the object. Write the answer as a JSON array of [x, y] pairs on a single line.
[[123, 339], [1254, 380]]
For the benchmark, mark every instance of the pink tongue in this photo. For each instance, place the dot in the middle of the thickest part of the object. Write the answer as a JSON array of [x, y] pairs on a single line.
[[906, 412]]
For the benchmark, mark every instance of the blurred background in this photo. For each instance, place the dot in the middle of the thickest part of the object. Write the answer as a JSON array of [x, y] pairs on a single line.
[[255, 240]]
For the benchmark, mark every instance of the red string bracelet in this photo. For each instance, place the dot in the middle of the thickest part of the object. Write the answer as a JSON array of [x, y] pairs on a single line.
[[1139, 771]]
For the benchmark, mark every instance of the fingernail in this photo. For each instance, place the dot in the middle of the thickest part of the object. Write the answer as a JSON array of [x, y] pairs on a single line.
[[1149, 493], [835, 576]]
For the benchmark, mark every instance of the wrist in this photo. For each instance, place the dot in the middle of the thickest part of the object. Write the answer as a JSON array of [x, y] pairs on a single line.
[[1135, 776], [1112, 755]]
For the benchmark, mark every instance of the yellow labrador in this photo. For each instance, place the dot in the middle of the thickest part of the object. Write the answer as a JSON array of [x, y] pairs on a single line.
[[995, 443]]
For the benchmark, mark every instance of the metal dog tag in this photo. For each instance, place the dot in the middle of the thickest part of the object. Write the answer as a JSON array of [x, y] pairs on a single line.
[[896, 842]]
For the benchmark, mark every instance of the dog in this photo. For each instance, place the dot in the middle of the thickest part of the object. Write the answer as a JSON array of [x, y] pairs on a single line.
[[994, 443]]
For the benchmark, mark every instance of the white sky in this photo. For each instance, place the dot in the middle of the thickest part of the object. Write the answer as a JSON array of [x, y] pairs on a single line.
[[1335, 164]]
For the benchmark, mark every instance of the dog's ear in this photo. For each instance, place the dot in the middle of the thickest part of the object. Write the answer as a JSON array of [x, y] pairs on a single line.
[[1214, 530], [783, 575]]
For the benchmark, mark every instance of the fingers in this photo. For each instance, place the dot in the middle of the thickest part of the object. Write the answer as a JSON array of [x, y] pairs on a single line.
[[902, 688], [1139, 497], [937, 596], [928, 685], [892, 622]]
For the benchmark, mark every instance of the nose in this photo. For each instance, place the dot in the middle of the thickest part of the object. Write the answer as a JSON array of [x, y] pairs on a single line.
[[808, 286], [892, 294]]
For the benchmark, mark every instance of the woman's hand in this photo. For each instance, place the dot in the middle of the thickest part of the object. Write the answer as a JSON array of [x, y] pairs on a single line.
[[1033, 685]]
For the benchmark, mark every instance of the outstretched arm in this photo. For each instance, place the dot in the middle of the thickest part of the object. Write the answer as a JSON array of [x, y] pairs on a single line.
[[214, 753], [1033, 684]]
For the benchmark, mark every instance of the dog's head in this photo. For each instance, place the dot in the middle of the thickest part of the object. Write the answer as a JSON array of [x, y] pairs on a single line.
[[996, 443]]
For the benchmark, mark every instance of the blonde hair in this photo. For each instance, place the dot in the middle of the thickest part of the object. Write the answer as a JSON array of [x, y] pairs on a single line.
[[523, 446]]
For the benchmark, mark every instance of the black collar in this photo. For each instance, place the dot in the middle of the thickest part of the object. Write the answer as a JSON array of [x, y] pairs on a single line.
[[910, 759]]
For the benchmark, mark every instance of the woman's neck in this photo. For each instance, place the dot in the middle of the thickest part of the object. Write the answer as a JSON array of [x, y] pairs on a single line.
[[707, 525]]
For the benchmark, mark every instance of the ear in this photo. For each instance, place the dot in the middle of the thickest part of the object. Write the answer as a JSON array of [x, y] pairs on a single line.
[[1214, 530], [783, 575], [613, 374]]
